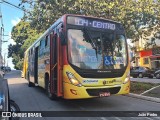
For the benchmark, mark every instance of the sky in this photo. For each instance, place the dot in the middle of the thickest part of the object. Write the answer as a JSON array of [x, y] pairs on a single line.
[[11, 16]]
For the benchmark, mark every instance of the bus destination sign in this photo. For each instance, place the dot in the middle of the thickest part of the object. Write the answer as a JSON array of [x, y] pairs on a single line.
[[89, 22]]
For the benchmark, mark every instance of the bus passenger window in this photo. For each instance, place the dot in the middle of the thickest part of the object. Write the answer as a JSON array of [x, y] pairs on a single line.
[[42, 46], [46, 41]]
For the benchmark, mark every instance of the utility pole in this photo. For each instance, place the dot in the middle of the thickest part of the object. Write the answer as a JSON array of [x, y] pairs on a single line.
[[1, 61], [1, 34], [4, 59]]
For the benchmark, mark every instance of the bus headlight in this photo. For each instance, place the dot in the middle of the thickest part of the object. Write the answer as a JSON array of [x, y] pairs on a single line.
[[73, 79], [127, 78]]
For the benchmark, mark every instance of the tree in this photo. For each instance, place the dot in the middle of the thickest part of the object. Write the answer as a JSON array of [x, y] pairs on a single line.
[[139, 17], [24, 36]]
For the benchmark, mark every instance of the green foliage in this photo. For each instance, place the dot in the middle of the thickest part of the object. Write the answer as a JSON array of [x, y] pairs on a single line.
[[141, 18], [24, 36], [140, 87]]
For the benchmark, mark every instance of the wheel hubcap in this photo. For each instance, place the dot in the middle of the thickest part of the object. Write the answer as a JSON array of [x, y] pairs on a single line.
[[140, 75], [13, 109], [157, 76]]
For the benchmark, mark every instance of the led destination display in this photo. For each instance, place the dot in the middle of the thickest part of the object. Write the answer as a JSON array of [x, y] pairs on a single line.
[[88, 22]]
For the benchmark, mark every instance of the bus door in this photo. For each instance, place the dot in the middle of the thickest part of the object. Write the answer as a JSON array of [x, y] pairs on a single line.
[[55, 72], [36, 66]]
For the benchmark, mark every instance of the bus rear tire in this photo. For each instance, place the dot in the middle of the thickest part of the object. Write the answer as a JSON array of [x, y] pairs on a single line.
[[29, 83], [48, 90]]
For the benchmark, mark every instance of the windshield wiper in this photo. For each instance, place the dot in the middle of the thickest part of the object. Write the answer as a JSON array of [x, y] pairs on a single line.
[[87, 36]]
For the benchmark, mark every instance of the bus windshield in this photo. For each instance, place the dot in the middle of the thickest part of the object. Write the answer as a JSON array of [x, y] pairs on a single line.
[[88, 49]]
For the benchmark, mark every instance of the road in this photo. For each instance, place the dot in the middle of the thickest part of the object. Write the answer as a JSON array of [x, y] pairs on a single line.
[[35, 99], [147, 80]]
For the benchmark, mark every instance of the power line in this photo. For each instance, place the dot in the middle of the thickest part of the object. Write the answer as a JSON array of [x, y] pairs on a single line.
[[2, 26], [2, 33], [13, 5]]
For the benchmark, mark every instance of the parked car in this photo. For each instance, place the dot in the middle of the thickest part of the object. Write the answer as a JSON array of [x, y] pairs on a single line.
[[6, 104], [1, 73], [6, 69], [141, 72], [157, 74]]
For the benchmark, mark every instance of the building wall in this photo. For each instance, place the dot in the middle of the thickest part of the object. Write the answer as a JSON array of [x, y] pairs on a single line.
[[150, 58], [145, 58], [142, 62]]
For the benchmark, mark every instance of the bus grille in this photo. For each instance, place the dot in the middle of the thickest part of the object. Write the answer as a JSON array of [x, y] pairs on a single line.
[[95, 92]]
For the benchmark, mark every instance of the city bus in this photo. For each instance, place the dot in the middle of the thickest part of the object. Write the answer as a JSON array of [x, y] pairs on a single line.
[[80, 57], [25, 64]]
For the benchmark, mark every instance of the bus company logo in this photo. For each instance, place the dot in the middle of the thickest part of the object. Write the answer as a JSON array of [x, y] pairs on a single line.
[[104, 82], [89, 81], [109, 82]]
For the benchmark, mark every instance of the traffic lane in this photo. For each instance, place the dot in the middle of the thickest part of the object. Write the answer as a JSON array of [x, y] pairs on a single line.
[[145, 79], [13, 74], [35, 99]]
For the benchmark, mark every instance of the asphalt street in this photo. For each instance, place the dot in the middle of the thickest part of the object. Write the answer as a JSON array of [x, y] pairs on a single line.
[[145, 79], [35, 99]]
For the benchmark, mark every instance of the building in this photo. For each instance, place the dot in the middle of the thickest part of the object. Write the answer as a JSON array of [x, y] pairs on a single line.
[[150, 58], [147, 57]]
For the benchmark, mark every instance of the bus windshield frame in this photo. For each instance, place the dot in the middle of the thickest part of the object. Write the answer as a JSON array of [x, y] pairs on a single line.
[[71, 26]]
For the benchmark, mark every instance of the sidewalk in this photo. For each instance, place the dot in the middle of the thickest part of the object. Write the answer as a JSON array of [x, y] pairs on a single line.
[[152, 94]]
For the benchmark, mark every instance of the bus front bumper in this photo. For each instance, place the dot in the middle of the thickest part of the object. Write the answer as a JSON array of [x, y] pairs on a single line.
[[75, 92]]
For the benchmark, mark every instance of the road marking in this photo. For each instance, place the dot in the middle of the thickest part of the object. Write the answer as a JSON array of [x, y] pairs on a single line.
[[150, 90], [141, 118], [148, 118], [158, 118], [135, 118], [118, 118], [103, 118]]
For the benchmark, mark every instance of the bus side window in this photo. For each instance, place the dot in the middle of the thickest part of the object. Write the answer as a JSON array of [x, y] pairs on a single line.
[[46, 41], [42, 47]]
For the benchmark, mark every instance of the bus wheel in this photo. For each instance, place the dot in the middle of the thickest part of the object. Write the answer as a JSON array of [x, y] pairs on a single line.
[[48, 91], [29, 83]]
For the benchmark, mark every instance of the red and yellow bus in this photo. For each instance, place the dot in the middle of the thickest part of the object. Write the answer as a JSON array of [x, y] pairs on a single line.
[[80, 57]]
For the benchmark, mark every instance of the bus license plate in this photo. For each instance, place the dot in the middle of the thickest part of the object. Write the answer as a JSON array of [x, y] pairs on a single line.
[[104, 94]]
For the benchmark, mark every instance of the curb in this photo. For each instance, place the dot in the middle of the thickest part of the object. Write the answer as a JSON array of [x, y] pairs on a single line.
[[153, 99]]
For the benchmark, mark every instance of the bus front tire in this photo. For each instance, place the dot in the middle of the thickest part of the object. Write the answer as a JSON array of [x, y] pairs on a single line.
[[48, 91], [30, 84]]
